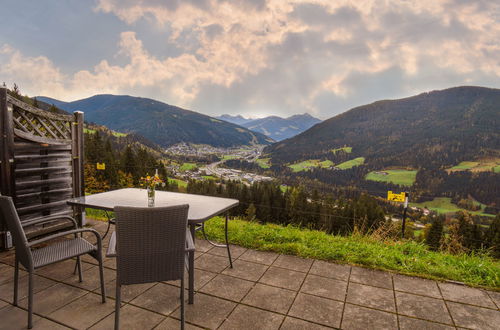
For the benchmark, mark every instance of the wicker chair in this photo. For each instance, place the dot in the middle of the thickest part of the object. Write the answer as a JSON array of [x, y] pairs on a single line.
[[32, 258], [151, 245]]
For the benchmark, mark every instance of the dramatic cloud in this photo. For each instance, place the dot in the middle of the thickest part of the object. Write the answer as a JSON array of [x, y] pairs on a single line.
[[275, 57]]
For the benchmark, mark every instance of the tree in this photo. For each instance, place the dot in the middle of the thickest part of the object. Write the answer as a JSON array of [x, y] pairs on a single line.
[[435, 234], [250, 212], [492, 237]]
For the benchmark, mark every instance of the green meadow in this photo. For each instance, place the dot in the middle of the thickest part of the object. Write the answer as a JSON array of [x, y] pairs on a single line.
[[351, 163], [401, 177]]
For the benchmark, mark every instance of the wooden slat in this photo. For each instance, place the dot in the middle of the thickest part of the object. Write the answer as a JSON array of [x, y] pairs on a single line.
[[33, 126], [40, 183], [46, 193], [39, 207], [42, 113], [23, 146], [20, 125], [43, 170], [39, 139], [47, 128], [36, 157], [59, 129]]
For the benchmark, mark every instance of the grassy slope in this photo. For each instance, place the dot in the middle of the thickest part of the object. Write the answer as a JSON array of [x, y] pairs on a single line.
[[401, 177], [406, 257], [443, 205], [263, 162], [188, 167], [345, 149], [180, 183], [307, 164], [351, 163], [483, 165]]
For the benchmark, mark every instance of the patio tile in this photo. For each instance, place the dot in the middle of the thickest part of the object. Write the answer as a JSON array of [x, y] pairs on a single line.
[[202, 245], [228, 287], [7, 273], [212, 263], [270, 298], [324, 287], [293, 263], [8, 257], [128, 292], [292, 323], [495, 296], [416, 285], [53, 298], [201, 277], [246, 270], [371, 277], [61, 271], [236, 251], [3, 304], [261, 257], [91, 278], [245, 317], [84, 312], [474, 317], [329, 269], [356, 317], [465, 294], [14, 318], [284, 278], [207, 311], [131, 317], [320, 310], [370, 296], [110, 263], [40, 283], [170, 323], [422, 307], [407, 323], [161, 298]]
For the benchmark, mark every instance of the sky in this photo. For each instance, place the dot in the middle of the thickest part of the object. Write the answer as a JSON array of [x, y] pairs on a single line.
[[249, 57]]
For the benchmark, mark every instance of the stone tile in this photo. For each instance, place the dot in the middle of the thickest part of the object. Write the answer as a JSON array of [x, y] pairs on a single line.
[[207, 311], [171, 323], [261, 257], [495, 296], [8, 257], [61, 271], [270, 298], [284, 278], [53, 298], [110, 263], [212, 263], [7, 273], [465, 294], [407, 323], [128, 292], [371, 277], [422, 307], [292, 323], [236, 251], [325, 287], [474, 317], [91, 279], [246, 270], [84, 312], [416, 285], [329, 269], [228, 287], [320, 310], [201, 277], [202, 245], [370, 296], [131, 317], [245, 317], [293, 263], [40, 283], [356, 317], [161, 298], [13, 318], [3, 304]]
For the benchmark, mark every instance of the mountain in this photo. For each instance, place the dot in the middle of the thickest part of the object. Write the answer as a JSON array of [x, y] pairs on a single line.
[[275, 127], [159, 122], [428, 130]]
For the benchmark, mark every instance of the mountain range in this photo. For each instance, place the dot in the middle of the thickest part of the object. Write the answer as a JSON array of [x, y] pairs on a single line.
[[159, 122], [275, 127]]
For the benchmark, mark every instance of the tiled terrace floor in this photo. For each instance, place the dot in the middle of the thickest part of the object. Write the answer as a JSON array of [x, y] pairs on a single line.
[[263, 291]]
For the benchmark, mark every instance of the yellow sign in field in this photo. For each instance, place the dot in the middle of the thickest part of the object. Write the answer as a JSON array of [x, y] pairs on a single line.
[[101, 166], [396, 197]]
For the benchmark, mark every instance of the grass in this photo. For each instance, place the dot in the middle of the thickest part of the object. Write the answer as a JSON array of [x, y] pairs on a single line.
[[228, 157], [345, 149], [351, 163], [180, 183], [88, 130], [263, 162], [401, 177], [209, 177], [482, 165], [443, 205], [188, 167], [283, 188], [326, 164], [118, 134], [310, 163], [496, 169], [406, 257]]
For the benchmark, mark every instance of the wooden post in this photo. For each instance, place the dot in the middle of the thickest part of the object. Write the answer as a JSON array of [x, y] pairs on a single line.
[[77, 152]]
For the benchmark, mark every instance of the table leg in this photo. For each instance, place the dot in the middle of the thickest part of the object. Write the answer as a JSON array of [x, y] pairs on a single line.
[[227, 242], [192, 228]]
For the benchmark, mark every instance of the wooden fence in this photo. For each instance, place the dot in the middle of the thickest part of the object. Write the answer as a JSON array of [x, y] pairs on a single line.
[[41, 161]]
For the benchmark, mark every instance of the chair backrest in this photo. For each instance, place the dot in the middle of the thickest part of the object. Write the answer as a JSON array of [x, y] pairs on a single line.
[[9, 214], [150, 243]]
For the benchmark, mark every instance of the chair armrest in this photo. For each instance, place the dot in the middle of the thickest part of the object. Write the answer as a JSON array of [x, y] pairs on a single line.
[[189, 242], [69, 232], [48, 219], [111, 252]]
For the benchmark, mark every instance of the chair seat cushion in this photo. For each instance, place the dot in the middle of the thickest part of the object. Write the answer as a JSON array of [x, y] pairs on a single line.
[[61, 250]]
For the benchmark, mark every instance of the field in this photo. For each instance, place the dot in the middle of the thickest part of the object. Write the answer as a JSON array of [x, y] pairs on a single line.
[[180, 183], [345, 149], [351, 163], [310, 163], [401, 177], [228, 157], [118, 134], [443, 205], [88, 130], [483, 165], [188, 167], [209, 177], [263, 162]]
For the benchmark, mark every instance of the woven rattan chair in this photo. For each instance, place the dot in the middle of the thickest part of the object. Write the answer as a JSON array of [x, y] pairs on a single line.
[[151, 245], [32, 258]]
